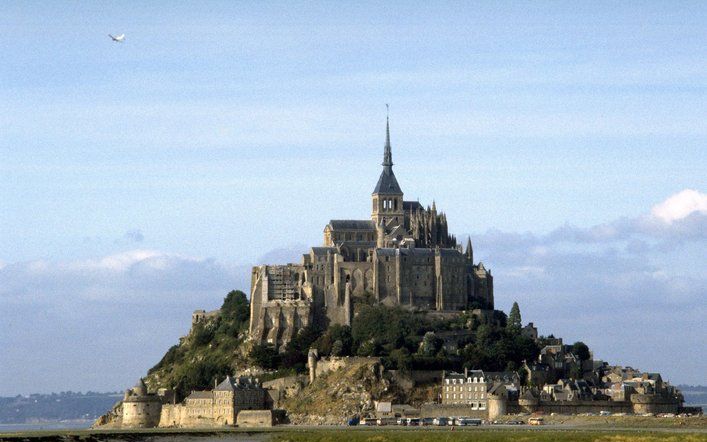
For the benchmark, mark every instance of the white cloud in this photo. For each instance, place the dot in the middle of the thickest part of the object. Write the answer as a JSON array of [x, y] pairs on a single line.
[[118, 262], [605, 284], [134, 276], [680, 206]]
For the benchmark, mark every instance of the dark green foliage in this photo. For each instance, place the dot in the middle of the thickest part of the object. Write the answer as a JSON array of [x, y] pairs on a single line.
[[524, 377], [172, 356], [499, 349], [514, 319], [264, 356], [575, 372], [295, 355], [337, 348], [200, 375], [479, 303], [581, 350], [430, 345], [210, 350], [202, 334], [235, 313], [399, 336], [335, 333], [387, 329], [401, 358]]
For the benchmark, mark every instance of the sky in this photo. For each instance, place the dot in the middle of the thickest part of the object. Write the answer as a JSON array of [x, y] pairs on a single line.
[[139, 181]]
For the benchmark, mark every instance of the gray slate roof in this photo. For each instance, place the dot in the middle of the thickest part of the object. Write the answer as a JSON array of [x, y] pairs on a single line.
[[323, 250], [226, 385], [387, 183], [412, 205], [351, 224]]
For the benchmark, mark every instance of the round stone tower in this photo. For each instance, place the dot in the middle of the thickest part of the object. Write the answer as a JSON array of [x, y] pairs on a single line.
[[140, 408], [497, 406]]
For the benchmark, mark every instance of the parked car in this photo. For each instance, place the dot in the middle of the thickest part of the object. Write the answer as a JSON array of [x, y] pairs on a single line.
[[402, 421], [427, 421], [536, 421], [414, 422], [466, 421], [353, 421], [605, 413], [440, 421]]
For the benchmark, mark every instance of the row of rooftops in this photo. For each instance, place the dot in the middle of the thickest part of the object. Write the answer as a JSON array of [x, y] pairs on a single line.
[[389, 251], [470, 376], [232, 384]]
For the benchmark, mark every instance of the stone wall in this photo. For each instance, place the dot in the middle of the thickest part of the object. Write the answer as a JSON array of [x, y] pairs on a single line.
[[142, 412], [567, 407], [645, 403], [255, 418], [436, 410], [282, 388]]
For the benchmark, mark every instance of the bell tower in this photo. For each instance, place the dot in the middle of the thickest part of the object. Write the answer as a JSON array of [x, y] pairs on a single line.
[[387, 196]]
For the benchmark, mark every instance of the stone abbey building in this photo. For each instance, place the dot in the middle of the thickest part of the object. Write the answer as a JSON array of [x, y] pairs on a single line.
[[403, 256]]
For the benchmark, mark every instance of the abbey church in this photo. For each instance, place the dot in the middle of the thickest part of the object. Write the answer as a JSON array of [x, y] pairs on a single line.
[[402, 256]]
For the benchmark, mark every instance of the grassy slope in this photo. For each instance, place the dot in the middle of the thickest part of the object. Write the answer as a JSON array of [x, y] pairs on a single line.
[[212, 349], [483, 435]]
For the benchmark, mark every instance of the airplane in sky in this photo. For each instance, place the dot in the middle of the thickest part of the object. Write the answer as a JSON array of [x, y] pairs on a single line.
[[118, 38]]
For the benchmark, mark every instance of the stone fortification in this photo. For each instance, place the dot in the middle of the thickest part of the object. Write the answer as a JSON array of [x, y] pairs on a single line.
[[402, 256], [140, 409], [255, 418]]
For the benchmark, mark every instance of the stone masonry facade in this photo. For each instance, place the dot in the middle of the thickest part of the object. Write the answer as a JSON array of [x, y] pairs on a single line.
[[402, 256]]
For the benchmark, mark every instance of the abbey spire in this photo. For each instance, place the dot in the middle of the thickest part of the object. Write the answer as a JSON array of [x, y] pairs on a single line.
[[387, 153], [387, 183], [387, 196]]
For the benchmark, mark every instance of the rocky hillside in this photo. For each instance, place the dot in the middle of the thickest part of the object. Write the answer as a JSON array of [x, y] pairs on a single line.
[[213, 348], [340, 394]]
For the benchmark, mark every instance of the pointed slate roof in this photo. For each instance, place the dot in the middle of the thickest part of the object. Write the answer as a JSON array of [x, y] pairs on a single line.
[[226, 385], [387, 183]]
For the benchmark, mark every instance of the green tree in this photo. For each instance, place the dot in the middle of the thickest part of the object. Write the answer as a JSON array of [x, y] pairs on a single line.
[[235, 313], [337, 348], [296, 351], [581, 350], [401, 358], [264, 356], [336, 332], [575, 372], [200, 375], [202, 334], [430, 344], [514, 319]]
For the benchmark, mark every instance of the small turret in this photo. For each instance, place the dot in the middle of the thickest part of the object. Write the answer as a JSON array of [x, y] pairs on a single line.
[[469, 251], [380, 235]]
